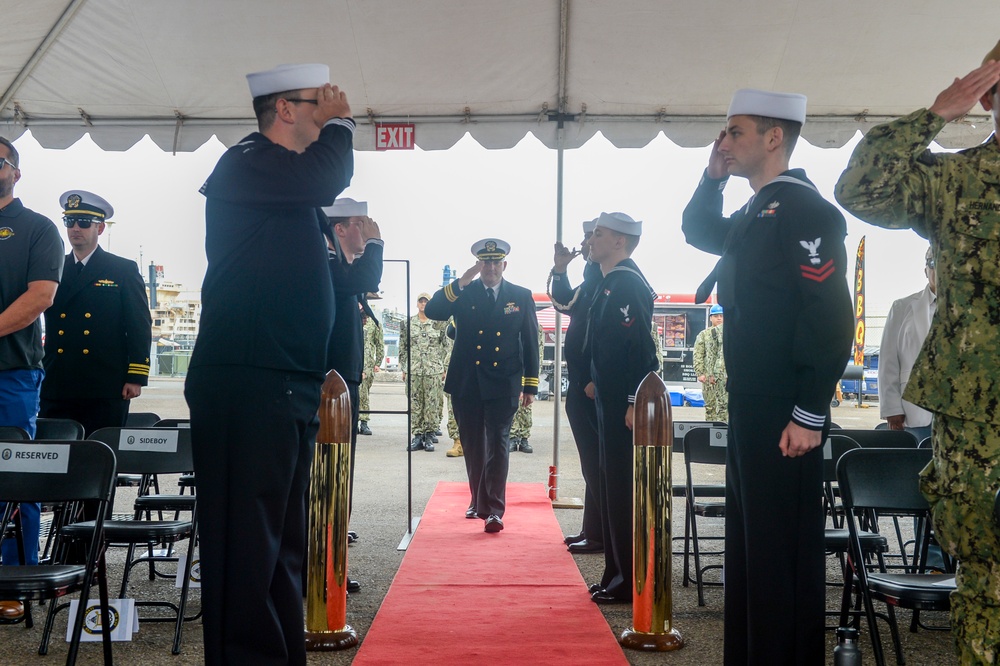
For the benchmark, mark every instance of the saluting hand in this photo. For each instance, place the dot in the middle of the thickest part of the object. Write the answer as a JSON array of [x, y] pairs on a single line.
[[331, 102], [717, 161], [369, 229], [563, 256], [470, 275], [958, 99]]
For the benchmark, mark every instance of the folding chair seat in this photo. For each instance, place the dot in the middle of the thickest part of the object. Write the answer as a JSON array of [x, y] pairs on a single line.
[[703, 446], [887, 481], [87, 475], [137, 457]]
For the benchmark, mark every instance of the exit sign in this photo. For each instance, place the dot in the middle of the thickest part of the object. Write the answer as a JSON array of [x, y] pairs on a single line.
[[394, 136]]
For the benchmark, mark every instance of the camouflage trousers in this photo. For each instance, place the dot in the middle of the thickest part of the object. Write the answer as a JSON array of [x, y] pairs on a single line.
[[520, 427], [452, 423], [716, 401], [960, 484], [425, 403], [363, 392]]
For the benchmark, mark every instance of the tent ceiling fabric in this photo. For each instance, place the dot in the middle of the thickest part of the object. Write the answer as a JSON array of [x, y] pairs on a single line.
[[120, 69]]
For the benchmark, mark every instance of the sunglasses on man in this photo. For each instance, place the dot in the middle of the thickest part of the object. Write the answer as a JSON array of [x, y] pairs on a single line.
[[82, 222]]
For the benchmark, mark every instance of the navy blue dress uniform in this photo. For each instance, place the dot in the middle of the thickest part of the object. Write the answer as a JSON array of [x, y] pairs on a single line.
[[494, 360], [351, 282], [789, 325], [622, 353], [254, 383], [581, 410], [98, 329]]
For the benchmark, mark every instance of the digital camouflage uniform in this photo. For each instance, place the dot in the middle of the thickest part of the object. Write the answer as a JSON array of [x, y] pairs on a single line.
[[427, 344], [708, 361], [374, 353], [953, 200], [658, 343], [452, 423], [520, 428]]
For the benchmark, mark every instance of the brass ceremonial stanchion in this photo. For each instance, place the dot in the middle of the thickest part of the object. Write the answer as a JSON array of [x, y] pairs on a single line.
[[652, 604], [326, 584]]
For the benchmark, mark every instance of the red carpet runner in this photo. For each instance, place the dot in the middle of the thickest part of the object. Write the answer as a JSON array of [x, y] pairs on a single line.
[[462, 596]]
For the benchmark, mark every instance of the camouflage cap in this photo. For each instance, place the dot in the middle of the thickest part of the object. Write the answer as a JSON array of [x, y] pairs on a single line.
[[423, 296]]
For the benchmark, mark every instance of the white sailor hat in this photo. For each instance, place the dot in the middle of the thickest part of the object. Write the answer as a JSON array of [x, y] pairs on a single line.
[[589, 225], [346, 207], [785, 106], [621, 223], [82, 203], [288, 77], [491, 249]]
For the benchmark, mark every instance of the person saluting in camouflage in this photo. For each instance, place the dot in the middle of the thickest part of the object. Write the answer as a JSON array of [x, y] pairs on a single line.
[[374, 353], [710, 367], [953, 200], [422, 345]]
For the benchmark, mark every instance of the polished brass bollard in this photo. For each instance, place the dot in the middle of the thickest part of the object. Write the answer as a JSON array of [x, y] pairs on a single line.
[[326, 583], [652, 603]]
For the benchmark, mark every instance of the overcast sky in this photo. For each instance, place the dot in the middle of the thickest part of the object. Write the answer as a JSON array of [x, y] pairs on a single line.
[[432, 206]]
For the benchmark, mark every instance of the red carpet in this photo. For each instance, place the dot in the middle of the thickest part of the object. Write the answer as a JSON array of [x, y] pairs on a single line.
[[462, 596]]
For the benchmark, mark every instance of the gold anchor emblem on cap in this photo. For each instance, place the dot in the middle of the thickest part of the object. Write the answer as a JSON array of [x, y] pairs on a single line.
[[491, 246], [73, 201]]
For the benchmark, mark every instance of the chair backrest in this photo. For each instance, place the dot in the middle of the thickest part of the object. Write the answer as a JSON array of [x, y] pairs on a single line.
[[682, 428], [142, 420], [883, 479], [59, 429], [881, 439], [173, 423], [56, 471], [925, 443], [835, 447], [706, 445], [12, 433], [149, 450], [882, 426]]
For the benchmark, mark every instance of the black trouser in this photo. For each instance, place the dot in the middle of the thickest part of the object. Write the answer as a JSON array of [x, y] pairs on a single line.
[[484, 426], [615, 492], [253, 432], [92, 413], [581, 412], [775, 564]]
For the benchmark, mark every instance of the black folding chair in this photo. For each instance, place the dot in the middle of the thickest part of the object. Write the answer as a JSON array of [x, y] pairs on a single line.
[[142, 420], [703, 446], [58, 429], [880, 481], [679, 490], [881, 439], [54, 516], [13, 434], [72, 471], [150, 451]]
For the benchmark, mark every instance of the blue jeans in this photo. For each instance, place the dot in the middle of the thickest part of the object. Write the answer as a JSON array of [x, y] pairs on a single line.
[[19, 390]]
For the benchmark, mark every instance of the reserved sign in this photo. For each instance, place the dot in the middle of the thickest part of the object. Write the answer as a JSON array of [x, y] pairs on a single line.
[[38, 458], [149, 440]]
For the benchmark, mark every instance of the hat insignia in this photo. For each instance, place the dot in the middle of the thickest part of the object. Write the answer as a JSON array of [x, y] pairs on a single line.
[[491, 246], [73, 201]]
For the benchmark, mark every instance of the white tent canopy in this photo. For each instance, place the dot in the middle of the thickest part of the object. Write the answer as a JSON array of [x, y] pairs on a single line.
[[120, 69]]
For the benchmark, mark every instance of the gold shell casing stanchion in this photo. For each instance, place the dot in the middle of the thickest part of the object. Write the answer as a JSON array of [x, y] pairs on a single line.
[[652, 603], [326, 583]]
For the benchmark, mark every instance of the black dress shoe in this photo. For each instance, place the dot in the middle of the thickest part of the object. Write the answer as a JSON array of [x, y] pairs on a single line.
[[352, 536], [493, 524], [471, 512], [585, 546], [525, 447], [595, 587], [353, 586], [417, 443], [573, 538], [363, 428], [605, 597]]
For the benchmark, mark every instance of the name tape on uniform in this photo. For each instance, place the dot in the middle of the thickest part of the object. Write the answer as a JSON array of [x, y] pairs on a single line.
[[718, 436], [149, 440], [38, 458]]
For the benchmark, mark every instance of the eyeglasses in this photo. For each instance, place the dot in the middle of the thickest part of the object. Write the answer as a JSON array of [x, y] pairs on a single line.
[[4, 160], [299, 99], [82, 222]]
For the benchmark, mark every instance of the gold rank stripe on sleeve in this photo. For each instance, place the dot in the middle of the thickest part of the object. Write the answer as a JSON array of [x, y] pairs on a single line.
[[449, 293], [138, 369], [529, 381]]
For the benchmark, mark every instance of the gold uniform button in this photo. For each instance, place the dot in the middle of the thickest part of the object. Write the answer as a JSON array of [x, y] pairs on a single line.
[[494, 364], [87, 315], [62, 316], [498, 334], [480, 332], [477, 362], [86, 351], [86, 332], [496, 349], [479, 346], [61, 332], [59, 351]]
